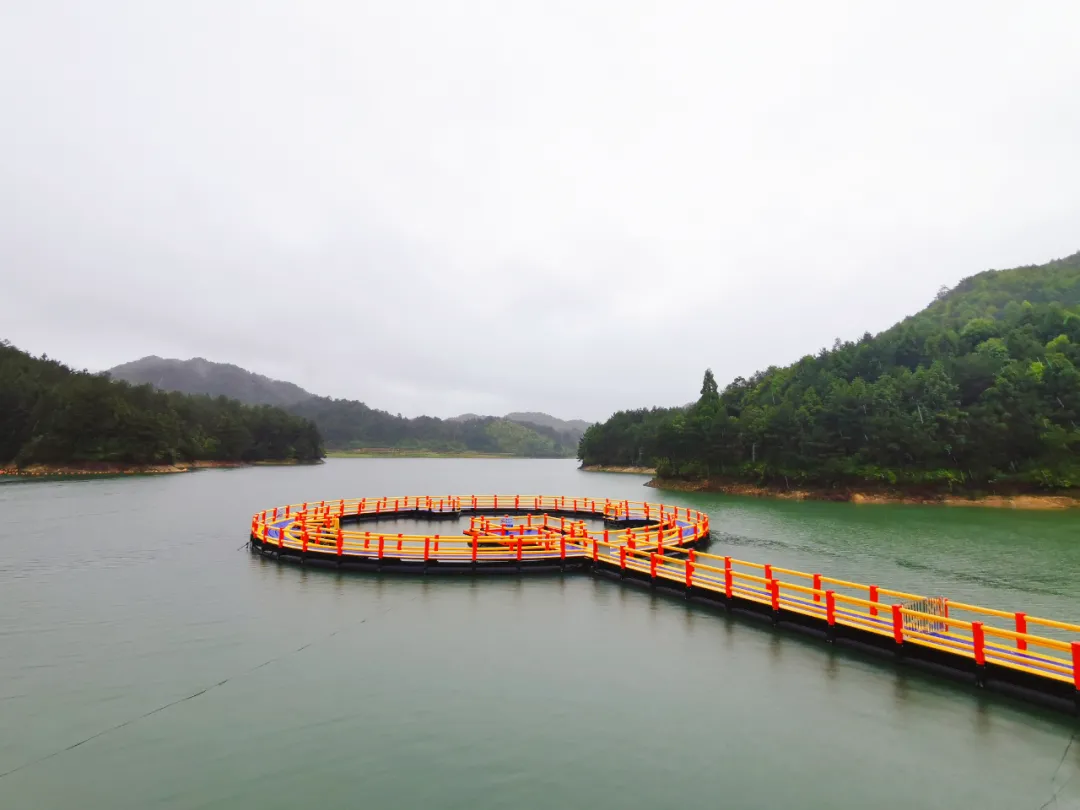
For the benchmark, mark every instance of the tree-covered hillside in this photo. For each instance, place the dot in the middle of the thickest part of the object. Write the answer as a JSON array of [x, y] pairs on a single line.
[[979, 390], [347, 424], [50, 414]]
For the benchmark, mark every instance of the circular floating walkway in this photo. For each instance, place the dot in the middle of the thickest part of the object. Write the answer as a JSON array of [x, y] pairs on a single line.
[[651, 543], [506, 532]]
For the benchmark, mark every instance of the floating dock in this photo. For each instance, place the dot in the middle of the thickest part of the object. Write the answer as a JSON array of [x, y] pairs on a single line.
[[655, 545]]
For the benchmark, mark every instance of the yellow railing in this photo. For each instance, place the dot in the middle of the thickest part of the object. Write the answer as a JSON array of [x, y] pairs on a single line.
[[661, 549]]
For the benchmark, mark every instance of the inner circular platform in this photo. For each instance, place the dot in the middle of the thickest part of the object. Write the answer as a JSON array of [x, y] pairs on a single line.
[[504, 532]]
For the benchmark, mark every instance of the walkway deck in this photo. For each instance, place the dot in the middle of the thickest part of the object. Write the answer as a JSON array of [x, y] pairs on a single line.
[[655, 544]]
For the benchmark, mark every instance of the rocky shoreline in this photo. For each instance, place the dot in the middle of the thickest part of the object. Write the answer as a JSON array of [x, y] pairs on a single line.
[[616, 469]]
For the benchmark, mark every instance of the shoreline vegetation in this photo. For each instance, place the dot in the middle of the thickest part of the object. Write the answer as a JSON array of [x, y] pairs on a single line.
[[109, 468], [615, 468], [975, 399], [1018, 500], [397, 452], [55, 420]]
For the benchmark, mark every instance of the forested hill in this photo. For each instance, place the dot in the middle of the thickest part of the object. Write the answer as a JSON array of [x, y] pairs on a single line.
[[52, 415], [347, 424], [350, 425], [199, 376], [980, 390]]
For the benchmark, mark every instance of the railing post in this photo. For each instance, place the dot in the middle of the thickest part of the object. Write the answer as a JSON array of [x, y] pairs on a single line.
[[978, 638], [774, 592], [427, 548], [897, 624], [595, 552], [340, 541], [728, 577], [873, 598], [562, 548], [830, 608], [474, 548], [380, 540], [652, 565], [817, 587], [1021, 627], [689, 566], [622, 557], [1076, 664]]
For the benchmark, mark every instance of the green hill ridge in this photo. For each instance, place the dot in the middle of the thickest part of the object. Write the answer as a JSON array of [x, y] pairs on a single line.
[[53, 415], [349, 425], [978, 391]]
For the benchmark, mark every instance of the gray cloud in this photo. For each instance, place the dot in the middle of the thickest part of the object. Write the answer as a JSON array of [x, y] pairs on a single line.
[[493, 206]]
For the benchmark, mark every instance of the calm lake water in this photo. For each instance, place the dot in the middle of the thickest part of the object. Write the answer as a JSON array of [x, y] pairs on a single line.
[[194, 675]]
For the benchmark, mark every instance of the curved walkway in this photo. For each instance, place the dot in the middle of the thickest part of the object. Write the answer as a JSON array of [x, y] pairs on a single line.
[[655, 543]]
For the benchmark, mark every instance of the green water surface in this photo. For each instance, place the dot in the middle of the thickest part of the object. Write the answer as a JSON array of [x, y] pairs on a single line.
[[148, 661]]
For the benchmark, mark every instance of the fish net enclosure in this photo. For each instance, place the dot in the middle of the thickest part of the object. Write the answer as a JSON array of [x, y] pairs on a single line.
[[935, 606]]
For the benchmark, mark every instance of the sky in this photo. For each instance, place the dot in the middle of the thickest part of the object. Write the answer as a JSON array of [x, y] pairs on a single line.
[[571, 207]]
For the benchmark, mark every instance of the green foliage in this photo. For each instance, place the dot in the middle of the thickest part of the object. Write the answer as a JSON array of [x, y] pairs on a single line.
[[50, 414], [351, 425], [979, 388], [347, 424]]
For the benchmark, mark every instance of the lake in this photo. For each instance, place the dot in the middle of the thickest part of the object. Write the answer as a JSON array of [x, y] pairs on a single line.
[[148, 660]]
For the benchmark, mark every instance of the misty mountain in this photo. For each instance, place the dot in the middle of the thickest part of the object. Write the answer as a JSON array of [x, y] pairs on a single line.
[[545, 420], [352, 425], [199, 376], [573, 427]]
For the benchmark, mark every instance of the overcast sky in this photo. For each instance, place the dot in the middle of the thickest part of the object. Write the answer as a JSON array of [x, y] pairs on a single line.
[[573, 207]]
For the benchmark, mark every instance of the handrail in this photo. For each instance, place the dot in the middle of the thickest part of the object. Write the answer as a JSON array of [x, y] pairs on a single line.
[[644, 537]]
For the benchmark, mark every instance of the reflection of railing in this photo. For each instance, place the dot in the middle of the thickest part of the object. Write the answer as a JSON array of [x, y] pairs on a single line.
[[654, 540]]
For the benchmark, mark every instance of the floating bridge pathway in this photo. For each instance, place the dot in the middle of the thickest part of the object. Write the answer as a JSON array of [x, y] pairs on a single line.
[[1030, 657]]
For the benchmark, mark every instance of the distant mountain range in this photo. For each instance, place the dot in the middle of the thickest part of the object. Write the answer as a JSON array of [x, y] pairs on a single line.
[[351, 425], [578, 426]]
